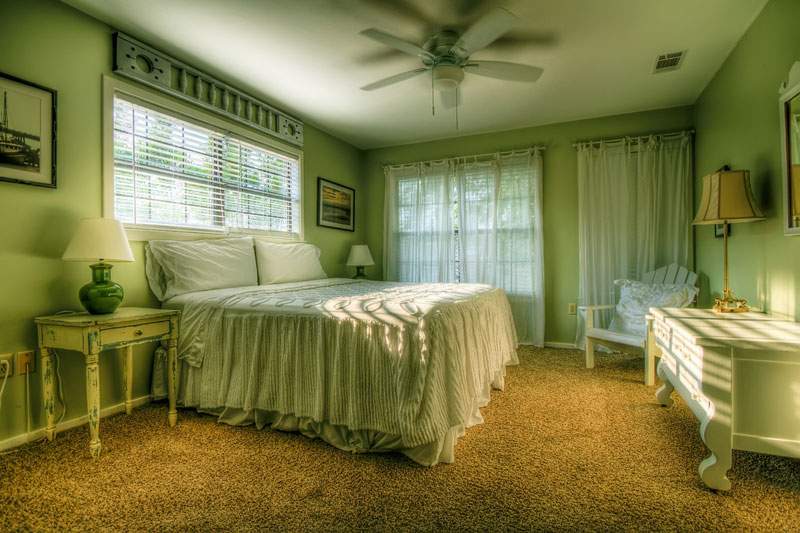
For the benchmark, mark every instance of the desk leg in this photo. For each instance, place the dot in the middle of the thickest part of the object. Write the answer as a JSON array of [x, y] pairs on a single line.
[[172, 367], [48, 389], [128, 383], [714, 468], [93, 402], [665, 390]]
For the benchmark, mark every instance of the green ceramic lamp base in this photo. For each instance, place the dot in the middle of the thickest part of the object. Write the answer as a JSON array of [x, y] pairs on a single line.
[[101, 296]]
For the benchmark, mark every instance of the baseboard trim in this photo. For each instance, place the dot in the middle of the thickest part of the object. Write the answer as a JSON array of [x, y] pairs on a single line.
[[72, 423], [561, 345]]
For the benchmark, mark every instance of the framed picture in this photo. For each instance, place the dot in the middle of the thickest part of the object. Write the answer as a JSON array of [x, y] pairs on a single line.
[[27, 132], [719, 230], [336, 205]]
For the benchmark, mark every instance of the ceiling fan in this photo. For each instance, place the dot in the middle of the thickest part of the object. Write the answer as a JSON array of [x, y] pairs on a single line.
[[446, 55]]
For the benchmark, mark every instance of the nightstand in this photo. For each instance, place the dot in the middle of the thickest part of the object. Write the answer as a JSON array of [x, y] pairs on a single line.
[[93, 334]]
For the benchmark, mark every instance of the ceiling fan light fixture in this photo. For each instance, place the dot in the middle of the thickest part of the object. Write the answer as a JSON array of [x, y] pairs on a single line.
[[447, 77]]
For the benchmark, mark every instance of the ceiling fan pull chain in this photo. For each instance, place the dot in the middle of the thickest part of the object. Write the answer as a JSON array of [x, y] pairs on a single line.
[[458, 104], [433, 97]]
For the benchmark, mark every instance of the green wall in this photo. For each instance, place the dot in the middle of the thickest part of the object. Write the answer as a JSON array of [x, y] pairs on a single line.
[[738, 123], [560, 202], [51, 44]]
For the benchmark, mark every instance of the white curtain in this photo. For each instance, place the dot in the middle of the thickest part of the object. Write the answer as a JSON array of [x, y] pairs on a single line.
[[634, 213], [484, 225], [419, 244]]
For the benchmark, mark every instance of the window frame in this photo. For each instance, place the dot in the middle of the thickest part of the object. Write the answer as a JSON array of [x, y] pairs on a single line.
[[142, 96]]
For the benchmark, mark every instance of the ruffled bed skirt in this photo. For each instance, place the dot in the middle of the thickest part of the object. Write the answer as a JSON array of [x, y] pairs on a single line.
[[441, 450], [355, 441]]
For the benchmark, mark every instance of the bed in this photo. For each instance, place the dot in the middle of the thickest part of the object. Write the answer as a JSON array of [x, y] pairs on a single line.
[[366, 366]]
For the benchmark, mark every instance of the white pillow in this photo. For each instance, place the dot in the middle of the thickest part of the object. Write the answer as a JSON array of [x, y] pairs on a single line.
[[178, 267], [284, 263], [636, 299]]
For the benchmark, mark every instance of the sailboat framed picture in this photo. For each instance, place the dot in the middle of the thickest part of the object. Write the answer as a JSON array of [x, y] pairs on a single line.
[[27, 132]]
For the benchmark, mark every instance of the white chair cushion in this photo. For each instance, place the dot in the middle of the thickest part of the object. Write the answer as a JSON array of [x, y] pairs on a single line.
[[178, 267], [636, 298], [285, 263]]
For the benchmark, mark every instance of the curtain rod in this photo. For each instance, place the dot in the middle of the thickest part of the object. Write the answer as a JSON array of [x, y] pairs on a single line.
[[492, 154], [637, 138]]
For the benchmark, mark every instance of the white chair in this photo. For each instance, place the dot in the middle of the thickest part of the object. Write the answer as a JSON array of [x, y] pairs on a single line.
[[627, 342]]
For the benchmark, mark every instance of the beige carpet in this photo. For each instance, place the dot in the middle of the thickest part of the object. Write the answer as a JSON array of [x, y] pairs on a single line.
[[562, 448]]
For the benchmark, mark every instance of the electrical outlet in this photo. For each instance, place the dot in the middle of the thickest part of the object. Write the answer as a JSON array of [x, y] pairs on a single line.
[[572, 309], [8, 359], [25, 362]]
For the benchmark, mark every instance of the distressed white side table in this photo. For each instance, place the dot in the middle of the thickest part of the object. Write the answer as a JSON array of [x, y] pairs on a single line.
[[91, 335]]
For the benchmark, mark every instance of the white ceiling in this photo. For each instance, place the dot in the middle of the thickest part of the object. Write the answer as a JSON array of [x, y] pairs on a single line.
[[306, 57]]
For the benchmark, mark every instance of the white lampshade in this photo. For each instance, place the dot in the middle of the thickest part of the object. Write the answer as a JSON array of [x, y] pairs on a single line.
[[727, 198], [99, 239], [360, 256]]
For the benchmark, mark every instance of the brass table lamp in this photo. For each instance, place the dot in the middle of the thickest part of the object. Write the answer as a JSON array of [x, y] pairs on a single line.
[[727, 199]]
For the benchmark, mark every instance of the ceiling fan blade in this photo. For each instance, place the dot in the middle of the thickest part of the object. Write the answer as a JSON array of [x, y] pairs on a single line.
[[503, 70], [515, 40], [396, 42], [393, 79], [494, 24], [451, 98]]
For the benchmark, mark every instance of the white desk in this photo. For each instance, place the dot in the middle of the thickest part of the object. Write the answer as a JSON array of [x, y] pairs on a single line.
[[740, 376]]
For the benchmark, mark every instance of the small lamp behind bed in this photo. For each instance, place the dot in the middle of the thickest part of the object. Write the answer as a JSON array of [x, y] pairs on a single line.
[[360, 257]]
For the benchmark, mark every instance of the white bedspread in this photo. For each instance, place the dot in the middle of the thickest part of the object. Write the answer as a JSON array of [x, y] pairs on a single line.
[[410, 361]]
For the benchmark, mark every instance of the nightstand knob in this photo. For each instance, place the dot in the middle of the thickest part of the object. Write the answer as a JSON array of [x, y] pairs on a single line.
[[138, 333]]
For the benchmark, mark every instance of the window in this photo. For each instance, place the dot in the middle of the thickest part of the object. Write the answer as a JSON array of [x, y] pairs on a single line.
[[168, 172], [475, 220]]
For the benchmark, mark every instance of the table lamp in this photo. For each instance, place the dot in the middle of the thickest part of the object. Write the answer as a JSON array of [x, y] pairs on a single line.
[[727, 199], [360, 257], [101, 240]]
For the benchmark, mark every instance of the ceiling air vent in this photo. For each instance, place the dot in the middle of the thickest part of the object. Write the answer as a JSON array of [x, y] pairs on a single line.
[[667, 62]]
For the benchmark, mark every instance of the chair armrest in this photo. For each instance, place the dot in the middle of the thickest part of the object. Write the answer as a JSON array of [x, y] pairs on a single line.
[[589, 312]]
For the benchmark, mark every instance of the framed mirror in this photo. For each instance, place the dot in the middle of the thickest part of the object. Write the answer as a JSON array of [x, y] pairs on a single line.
[[790, 136]]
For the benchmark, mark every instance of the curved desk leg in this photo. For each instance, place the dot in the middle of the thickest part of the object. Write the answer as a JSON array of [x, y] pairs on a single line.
[[665, 390], [48, 389], [172, 366], [714, 468], [127, 382], [93, 403]]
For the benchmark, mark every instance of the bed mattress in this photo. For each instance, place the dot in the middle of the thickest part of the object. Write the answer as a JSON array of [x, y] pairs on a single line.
[[364, 365]]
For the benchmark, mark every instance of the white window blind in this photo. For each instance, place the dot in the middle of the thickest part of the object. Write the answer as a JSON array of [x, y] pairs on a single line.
[[172, 173]]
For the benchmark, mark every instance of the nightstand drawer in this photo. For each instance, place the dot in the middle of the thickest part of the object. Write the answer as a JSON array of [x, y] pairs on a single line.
[[133, 333]]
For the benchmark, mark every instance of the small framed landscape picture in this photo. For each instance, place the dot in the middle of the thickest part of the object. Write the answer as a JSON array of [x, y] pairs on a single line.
[[336, 205], [27, 132]]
